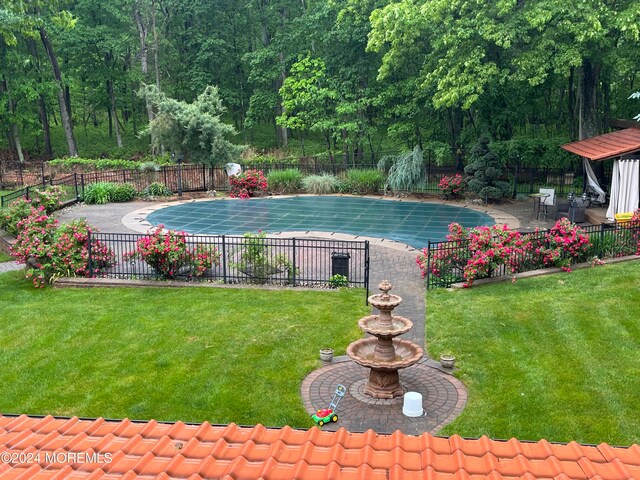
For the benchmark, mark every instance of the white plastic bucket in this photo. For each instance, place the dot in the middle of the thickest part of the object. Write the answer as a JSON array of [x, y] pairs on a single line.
[[412, 404]]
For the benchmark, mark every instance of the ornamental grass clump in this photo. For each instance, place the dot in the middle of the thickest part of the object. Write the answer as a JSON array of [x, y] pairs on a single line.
[[321, 184], [52, 251], [168, 254], [246, 184], [285, 181], [452, 186]]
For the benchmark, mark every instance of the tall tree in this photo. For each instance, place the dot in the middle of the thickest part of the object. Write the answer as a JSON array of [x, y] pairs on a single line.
[[66, 20]]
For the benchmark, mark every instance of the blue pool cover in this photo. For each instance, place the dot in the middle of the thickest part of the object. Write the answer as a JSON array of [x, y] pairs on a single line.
[[408, 222]]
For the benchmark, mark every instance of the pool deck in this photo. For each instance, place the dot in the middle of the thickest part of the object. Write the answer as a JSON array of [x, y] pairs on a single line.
[[444, 396]]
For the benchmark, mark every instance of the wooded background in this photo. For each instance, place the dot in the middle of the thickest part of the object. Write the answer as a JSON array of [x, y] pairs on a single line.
[[337, 77]]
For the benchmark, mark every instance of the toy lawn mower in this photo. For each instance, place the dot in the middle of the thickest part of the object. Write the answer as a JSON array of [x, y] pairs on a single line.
[[326, 415]]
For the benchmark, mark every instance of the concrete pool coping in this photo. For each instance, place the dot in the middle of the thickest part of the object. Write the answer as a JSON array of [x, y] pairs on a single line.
[[137, 220]]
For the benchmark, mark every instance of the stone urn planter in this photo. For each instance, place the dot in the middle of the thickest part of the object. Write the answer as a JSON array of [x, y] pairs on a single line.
[[326, 354], [447, 361]]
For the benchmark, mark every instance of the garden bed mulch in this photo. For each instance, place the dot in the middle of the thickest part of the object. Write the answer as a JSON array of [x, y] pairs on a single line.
[[544, 271]]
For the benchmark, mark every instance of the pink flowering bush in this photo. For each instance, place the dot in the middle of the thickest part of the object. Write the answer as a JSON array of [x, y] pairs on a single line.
[[20, 208], [245, 184], [452, 186], [562, 245], [52, 251], [474, 253], [168, 254]]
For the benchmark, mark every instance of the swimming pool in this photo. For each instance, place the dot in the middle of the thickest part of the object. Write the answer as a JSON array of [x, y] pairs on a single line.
[[408, 222]]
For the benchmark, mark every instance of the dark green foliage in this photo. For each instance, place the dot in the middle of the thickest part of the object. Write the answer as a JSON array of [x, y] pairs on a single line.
[[97, 193], [337, 281], [11, 215], [487, 172], [194, 129], [157, 189], [122, 192], [89, 164], [363, 182], [285, 181], [105, 192]]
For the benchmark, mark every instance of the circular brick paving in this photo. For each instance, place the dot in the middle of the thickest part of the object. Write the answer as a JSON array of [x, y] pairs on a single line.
[[443, 398]]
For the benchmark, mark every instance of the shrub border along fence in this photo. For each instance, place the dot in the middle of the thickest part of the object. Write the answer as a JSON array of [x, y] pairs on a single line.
[[307, 262], [607, 240], [199, 178]]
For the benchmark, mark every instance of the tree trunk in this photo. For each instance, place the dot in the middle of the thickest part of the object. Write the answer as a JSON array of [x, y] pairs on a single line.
[[588, 100], [144, 57], [64, 110], [284, 137], [42, 105], [571, 105], [14, 135], [16, 142], [46, 130], [588, 108], [114, 112], [455, 127], [156, 64]]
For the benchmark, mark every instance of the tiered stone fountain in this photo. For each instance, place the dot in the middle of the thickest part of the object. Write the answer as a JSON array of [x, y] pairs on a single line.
[[383, 353]]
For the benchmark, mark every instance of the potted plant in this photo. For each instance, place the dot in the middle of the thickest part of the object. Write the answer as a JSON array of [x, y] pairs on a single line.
[[326, 354], [447, 360]]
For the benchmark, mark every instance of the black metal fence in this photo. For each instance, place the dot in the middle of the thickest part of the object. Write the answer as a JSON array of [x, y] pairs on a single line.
[[70, 186], [237, 260], [194, 178], [445, 261]]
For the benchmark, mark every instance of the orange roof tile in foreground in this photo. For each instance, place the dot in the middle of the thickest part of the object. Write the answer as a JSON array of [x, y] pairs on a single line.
[[606, 146], [56, 448]]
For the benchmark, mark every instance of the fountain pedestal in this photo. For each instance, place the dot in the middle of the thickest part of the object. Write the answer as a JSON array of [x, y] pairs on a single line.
[[383, 353]]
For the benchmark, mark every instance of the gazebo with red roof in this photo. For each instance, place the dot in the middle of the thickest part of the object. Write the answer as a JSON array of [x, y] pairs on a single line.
[[624, 147]]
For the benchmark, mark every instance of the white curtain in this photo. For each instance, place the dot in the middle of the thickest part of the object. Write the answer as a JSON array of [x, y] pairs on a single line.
[[625, 187], [615, 191], [593, 181]]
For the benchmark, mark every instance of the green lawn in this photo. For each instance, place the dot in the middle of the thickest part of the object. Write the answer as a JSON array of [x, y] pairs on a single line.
[[5, 257], [222, 355], [555, 357]]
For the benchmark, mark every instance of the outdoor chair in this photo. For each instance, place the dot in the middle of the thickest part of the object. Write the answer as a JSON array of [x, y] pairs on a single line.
[[573, 209], [549, 201]]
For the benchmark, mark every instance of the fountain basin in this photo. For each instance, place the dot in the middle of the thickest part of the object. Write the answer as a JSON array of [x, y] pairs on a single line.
[[363, 353], [373, 325], [387, 302]]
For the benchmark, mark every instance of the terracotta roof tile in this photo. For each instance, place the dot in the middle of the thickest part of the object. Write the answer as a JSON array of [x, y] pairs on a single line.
[[606, 146], [154, 450]]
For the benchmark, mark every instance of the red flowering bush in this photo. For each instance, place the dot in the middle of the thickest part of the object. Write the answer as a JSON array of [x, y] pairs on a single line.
[[452, 186], [54, 251], [245, 184], [476, 253], [20, 208], [562, 244], [167, 253]]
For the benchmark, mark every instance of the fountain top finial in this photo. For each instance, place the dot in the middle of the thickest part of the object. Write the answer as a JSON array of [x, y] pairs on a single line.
[[384, 287]]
